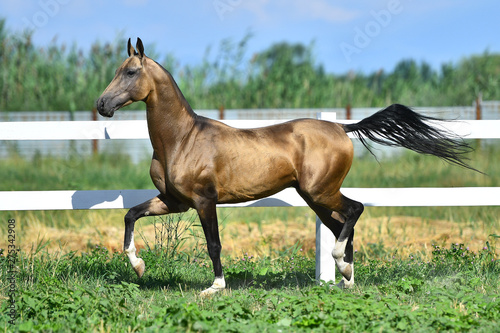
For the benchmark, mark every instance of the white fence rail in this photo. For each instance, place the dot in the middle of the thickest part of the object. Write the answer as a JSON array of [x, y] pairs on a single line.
[[137, 129], [371, 197]]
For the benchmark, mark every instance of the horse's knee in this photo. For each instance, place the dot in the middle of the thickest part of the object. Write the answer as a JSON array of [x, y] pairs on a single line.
[[129, 217], [133, 215], [153, 207]]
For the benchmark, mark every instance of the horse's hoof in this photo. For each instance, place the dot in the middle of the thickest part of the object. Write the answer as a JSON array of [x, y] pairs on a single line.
[[347, 272], [140, 267], [345, 269], [210, 291], [344, 284], [218, 285], [341, 284]]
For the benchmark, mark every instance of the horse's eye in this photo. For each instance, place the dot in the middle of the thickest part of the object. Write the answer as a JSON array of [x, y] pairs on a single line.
[[131, 72]]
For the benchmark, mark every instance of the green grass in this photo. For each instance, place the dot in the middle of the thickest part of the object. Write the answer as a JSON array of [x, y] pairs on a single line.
[[104, 171], [456, 290]]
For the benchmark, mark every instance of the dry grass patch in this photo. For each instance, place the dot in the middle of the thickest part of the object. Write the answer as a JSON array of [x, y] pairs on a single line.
[[404, 234]]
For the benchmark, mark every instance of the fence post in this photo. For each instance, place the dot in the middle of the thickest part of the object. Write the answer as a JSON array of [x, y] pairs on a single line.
[[479, 116], [221, 112], [325, 240], [95, 147], [479, 107]]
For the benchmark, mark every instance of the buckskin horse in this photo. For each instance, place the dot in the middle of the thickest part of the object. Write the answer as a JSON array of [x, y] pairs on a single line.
[[199, 162]]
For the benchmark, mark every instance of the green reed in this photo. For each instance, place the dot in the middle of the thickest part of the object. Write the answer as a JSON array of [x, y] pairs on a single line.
[[62, 77]]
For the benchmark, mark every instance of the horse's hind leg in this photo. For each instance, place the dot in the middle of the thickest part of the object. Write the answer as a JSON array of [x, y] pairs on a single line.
[[340, 219], [153, 207], [350, 210]]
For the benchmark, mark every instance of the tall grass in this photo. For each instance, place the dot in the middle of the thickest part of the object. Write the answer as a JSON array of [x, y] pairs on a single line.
[[61, 77]]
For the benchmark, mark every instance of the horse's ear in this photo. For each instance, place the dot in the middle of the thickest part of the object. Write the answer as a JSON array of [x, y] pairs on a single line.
[[130, 48], [140, 48]]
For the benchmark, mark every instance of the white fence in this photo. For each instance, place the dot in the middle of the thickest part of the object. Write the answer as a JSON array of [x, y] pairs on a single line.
[[137, 150], [137, 129]]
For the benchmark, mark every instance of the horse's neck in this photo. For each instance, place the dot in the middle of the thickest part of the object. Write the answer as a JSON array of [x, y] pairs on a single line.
[[169, 115]]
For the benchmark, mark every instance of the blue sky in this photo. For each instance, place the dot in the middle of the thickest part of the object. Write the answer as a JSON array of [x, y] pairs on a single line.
[[349, 35]]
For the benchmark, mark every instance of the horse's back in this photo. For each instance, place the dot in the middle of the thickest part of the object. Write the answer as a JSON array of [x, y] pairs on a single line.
[[302, 140], [262, 161]]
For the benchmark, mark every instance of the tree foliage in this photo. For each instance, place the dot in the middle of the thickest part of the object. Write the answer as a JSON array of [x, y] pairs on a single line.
[[57, 77]]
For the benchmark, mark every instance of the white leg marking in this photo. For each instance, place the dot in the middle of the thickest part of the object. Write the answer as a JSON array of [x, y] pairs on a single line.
[[339, 249], [338, 253], [218, 285], [344, 283], [137, 263]]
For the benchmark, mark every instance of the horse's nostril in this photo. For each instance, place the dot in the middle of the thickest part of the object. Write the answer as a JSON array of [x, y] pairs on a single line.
[[100, 104]]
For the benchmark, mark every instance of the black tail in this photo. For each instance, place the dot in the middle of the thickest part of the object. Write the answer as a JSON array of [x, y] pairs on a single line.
[[398, 125]]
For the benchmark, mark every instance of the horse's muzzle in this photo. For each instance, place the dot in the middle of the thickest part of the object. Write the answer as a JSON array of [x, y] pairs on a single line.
[[103, 107]]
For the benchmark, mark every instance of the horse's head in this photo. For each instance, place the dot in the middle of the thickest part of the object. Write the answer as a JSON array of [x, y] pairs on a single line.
[[130, 84]]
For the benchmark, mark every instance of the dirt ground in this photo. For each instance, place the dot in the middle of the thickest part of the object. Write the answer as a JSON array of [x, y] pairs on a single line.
[[407, 235]]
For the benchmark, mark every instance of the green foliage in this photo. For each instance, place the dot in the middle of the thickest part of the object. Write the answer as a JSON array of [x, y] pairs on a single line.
[[290, 268], [171, 232], [57, 77], [79, 293], [107, 170], [53, 77]]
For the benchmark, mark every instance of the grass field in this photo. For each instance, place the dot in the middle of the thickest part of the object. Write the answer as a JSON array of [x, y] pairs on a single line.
[[417, 269], [96, 291]]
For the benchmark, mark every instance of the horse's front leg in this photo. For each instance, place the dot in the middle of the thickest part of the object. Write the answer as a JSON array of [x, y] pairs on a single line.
[[156, 206], [208, 216]]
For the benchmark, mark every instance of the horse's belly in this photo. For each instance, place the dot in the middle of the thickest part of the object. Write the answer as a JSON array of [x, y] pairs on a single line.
[[255, 180]]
